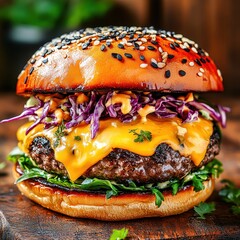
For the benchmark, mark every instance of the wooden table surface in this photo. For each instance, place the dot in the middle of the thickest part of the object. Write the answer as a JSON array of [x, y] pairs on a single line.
[[21, 218]]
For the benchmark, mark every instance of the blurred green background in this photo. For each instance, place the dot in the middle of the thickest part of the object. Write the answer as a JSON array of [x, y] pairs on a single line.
[[27, 24]]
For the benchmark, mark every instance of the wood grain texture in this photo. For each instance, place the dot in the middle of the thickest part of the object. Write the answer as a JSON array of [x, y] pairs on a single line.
[[23, 219], [30, 221]]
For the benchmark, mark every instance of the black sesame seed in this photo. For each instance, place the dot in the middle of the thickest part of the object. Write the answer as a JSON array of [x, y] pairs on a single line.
[[119, 57], [31, 70], [131, 36], [89, 33], [103, 38], [154, 42], [121, 46], [108, 44], [26, 79], [207, 60], [184, 61], [45, 60], [172, 46], [136, 45], [167, 74], [114, 55], [181, 73], [198, 62], [123, 35], [128, 55], [151, 48], [187, 49], [103, 48], [170, 56], [132, 40], [154, 65], [142, 57], [202, 60], [85, 45], [176, 44]]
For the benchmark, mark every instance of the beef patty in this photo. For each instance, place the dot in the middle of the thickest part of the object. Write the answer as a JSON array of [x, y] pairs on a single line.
[[122, 165]]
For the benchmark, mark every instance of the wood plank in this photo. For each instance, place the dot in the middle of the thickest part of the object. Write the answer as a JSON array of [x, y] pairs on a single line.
[[27, 220]]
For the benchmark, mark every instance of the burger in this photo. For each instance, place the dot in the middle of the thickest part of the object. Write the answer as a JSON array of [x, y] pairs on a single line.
[[116, 128]]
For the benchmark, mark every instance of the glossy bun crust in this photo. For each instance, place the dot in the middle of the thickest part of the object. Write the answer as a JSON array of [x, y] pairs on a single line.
[[122, 207], [129, 58]]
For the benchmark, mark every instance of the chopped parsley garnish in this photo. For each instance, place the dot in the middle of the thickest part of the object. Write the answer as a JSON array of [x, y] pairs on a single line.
[[197, 183], [119, 234], [159, 198], [142, 136], [231, 194], [59, 134], [77, 138], [204, 208]]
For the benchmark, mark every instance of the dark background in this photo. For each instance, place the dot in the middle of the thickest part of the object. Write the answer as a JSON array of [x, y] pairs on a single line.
[[213, 24]]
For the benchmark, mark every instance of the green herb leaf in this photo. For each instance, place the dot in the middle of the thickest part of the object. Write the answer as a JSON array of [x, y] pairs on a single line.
[[231, 194], [119, 234], [197, 184], [175, 187], [15, 154], [159, 198], [77, 138], [204, 208], [59, 134], [142, 136], [96, 184]]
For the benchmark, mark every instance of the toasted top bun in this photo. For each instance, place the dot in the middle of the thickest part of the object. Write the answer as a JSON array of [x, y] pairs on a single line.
[[120, 58]]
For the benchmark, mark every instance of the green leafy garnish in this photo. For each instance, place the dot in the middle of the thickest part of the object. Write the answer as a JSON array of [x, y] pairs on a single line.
[[231, 194], [175, 187], [158, 196], [197, 183], [142, 136], [204, 208], [119, 234], [77, 138], [59, 134]]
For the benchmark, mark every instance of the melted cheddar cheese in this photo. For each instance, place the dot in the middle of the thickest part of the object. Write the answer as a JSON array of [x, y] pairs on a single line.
[[190, 139]]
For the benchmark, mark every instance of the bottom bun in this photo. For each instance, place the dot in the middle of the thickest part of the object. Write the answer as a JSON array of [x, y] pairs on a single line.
[[121, 207]]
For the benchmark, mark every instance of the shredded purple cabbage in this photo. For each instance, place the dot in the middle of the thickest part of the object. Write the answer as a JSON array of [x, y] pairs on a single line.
[[96, 108]]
